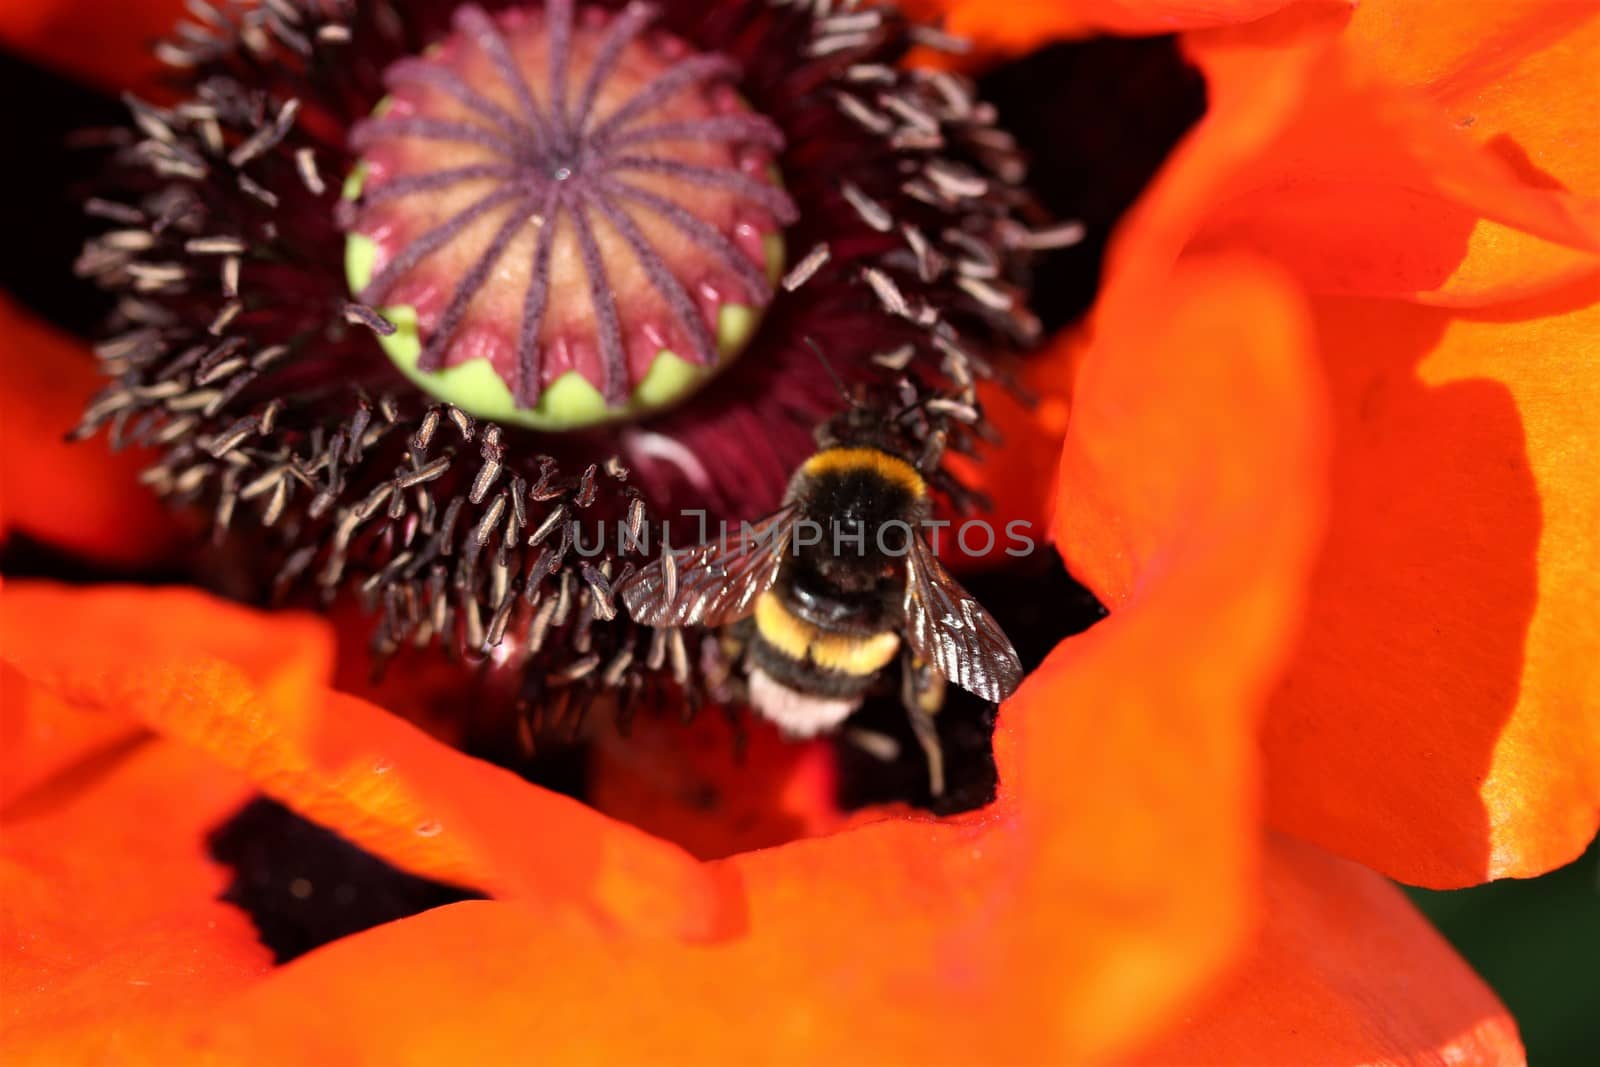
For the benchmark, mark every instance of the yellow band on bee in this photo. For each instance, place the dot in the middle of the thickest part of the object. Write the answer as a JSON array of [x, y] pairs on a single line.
[[844, 460], [801, 641]]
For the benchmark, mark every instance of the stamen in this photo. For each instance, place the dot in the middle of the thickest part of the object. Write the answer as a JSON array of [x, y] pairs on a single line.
[[871, 212], [804, 270], [365, 316]]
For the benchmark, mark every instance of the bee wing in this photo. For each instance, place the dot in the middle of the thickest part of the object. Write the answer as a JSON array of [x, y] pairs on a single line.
[[950, 630], [714, 583]]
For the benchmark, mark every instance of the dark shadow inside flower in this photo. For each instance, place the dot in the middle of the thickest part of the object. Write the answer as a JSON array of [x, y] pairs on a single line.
[[22, 556], [1421, 602], [45, 190], [1096, 118], [304, 887]]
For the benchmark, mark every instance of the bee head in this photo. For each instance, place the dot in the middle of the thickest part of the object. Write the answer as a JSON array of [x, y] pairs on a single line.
[[897, 420]]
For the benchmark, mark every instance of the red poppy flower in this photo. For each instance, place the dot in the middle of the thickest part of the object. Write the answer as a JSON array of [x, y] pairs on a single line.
[[1323, 448]]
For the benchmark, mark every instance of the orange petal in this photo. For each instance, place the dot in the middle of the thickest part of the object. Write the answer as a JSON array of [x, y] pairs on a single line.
[[110, 926], [1232, 342], [1442, 718], [107, 43], [1517, 77], [1018, 474], [1437, 43], [82, 667], [1010, 28], [43, 737], [1199, 541], [1046, 928], [398, 793], [1371, 189], [160, 655], [1344, 971], [1449, 694], [79, 497], [247, 689], [1310, 155]]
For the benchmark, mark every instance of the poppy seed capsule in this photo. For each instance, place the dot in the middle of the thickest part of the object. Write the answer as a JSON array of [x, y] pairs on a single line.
[[568, 217]]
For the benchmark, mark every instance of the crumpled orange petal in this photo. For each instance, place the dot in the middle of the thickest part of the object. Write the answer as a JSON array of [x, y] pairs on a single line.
[[1366, 187], [249, 690], [110, 926], [107, 43], [1309, 154], [42, 736], [1442, 719], [1172, 511], [1233, 337], [1430, 690], [1515, 78], [1010, 28], [159, 654], [396, 792], [78, 497], [1344, 971]]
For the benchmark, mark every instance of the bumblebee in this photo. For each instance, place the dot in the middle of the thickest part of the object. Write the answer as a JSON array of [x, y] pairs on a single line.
[[818, 599]]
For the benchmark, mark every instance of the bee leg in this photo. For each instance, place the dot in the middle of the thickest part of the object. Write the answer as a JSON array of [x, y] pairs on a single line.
[[928, 737], [922, 691], [880, 747], [724, 663]]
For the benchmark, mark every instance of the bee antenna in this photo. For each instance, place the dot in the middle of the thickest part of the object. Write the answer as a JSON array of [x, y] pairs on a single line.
[[833, 375], [912, 409]]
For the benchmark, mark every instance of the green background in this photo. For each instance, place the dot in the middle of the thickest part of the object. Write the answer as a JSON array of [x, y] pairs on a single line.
[[1537, 942]]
